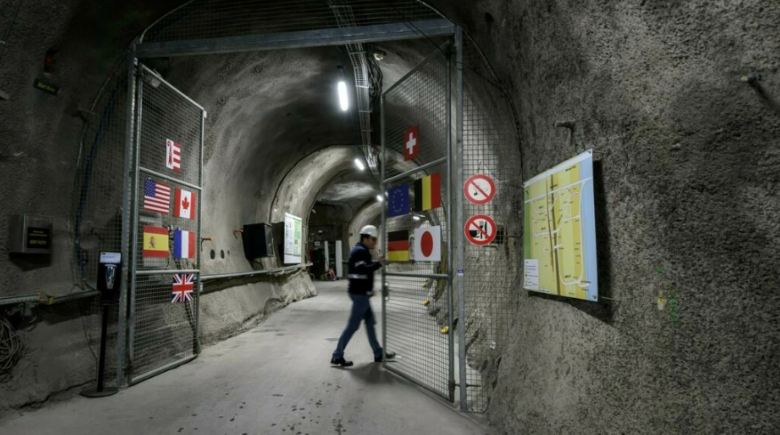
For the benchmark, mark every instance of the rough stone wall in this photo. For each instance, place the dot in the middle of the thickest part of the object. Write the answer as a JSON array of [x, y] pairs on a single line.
[[689, 163], [39, 138]]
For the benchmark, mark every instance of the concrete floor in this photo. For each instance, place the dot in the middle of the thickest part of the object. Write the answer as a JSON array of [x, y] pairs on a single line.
[[274, 379]]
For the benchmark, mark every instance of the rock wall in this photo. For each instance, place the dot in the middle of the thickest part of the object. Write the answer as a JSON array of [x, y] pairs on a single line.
[[689, 164]]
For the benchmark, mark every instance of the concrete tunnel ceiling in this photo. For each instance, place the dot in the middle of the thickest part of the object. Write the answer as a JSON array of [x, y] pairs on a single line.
[[276, 139]]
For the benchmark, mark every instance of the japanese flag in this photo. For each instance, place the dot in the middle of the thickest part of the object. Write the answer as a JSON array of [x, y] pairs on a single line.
[[185, 204], [427, 244]]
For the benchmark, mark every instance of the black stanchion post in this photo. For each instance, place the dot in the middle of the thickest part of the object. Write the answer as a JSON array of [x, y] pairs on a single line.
[[109, 273]]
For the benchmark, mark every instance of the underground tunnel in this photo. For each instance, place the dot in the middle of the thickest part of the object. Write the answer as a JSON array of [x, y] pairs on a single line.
[[577, 204]]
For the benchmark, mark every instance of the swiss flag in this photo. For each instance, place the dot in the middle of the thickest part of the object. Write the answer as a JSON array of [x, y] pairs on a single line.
[[185, 204], [411, 143]]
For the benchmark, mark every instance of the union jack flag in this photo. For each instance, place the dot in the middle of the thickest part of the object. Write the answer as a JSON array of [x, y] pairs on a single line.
[[183, 285]]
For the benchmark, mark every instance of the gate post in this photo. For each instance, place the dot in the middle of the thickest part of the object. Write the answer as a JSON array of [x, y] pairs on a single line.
[[127, 209], [459, 220]]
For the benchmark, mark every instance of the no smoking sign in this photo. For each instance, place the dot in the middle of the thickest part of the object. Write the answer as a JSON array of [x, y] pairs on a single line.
[[481, 230], [479, 189]]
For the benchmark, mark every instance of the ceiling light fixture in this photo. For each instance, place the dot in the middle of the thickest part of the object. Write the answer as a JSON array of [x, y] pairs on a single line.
[[417, 218], [359, 164], [379, 198], [343, 96]]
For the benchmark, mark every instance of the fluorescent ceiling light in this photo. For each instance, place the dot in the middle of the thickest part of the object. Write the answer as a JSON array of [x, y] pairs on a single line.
[[359, 164], [379, 198], [343, 96], [417, 218]]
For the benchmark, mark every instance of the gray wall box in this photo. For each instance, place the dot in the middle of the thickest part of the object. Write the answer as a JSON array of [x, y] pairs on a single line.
[[29, 234]]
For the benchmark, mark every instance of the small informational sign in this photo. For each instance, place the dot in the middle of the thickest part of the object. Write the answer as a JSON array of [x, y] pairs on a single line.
[[110, 257], [46, 87], [479, 189], [38, 238], [531, 273], [480, 230], [293, 235], [411, 143]]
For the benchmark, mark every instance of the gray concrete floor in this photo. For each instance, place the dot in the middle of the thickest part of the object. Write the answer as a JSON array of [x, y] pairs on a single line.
[[274, 379]]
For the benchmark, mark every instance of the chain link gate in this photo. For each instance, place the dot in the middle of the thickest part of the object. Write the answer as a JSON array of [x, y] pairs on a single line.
[[168, 167], [416, 155]]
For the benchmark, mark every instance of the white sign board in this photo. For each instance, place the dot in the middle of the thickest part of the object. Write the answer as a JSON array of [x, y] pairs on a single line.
[[293, 239]]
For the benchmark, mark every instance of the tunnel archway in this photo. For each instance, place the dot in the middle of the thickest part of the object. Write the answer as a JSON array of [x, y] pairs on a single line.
[[257, 123]]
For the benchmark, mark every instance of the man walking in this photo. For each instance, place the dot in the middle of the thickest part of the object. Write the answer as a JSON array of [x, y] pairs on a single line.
[[361, 287]]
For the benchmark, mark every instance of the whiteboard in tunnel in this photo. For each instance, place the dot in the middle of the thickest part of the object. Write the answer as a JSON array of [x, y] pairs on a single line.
[[293, 239]]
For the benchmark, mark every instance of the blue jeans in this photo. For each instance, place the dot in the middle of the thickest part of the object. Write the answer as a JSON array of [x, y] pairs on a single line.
[[361, 310]]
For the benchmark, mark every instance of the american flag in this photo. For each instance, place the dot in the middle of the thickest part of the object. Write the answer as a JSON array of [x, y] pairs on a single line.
[[157, 197], [172, 155], [182, 287]]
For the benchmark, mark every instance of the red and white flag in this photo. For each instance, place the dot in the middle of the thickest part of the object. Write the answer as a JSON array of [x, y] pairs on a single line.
[[172, 155], [185, 204], [411, 143], [427, 244]]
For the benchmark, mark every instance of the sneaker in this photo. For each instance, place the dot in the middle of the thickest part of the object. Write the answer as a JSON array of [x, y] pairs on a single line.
[[388, 356], [341, 362]]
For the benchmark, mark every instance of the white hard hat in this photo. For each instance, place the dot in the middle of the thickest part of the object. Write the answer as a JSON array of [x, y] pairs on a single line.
[[370, 230]]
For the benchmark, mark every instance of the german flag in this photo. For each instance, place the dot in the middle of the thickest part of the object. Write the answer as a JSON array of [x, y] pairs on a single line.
[[155, 242], [427, 192], [398, 246]]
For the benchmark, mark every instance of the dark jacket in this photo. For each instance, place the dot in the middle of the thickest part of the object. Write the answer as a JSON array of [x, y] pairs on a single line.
[[361, 270]]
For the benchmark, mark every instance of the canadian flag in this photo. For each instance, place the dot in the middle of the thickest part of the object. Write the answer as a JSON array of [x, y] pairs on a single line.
[[185, 204]]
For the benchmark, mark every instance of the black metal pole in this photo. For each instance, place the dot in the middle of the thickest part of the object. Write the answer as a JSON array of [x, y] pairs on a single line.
[[101, 391]]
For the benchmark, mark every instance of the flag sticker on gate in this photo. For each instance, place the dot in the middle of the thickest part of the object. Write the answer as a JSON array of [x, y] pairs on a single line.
[[155, 242], [411, 143], [185, 204], [398, 246], [427, 244], [183, 286], [427, 192], [172, 155], [183, 244], [157, 197]]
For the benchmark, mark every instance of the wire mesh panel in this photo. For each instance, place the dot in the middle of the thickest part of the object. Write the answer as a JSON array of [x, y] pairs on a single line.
[[205, 19], [166, 249], [490, 270], [97, 202], [415, 164]]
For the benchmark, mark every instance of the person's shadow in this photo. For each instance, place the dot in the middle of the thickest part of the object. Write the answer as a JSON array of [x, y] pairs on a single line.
[[373, 373]]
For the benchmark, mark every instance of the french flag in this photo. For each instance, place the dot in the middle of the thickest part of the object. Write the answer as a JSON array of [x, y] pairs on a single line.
[[183, 244]]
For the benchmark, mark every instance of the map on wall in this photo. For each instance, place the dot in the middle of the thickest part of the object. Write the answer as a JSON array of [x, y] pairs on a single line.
[[293, 239], [560, 231]]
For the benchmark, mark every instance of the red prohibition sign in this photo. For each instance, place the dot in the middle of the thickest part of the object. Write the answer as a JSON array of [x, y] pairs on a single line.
[[479, 189], [480, 230]]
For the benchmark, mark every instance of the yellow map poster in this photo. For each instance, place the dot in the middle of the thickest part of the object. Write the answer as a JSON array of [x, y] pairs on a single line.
[[560, 231]]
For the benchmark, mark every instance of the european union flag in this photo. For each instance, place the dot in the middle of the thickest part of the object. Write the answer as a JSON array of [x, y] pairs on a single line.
[[398, 200]]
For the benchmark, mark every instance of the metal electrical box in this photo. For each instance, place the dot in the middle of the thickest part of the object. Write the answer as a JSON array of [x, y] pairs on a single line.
[[29, 234], [258, 241]]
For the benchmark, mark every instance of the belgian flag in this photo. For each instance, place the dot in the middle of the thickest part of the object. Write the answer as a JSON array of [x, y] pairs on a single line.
[[398, 246], [427, 192]]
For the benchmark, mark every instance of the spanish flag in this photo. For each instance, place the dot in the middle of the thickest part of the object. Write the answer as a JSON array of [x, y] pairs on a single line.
[[427, 192], [155, 242], [398, 246]]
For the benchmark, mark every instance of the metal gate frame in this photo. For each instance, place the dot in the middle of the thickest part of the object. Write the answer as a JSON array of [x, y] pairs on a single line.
[[290, 39], [385, 182], [131, 250]]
